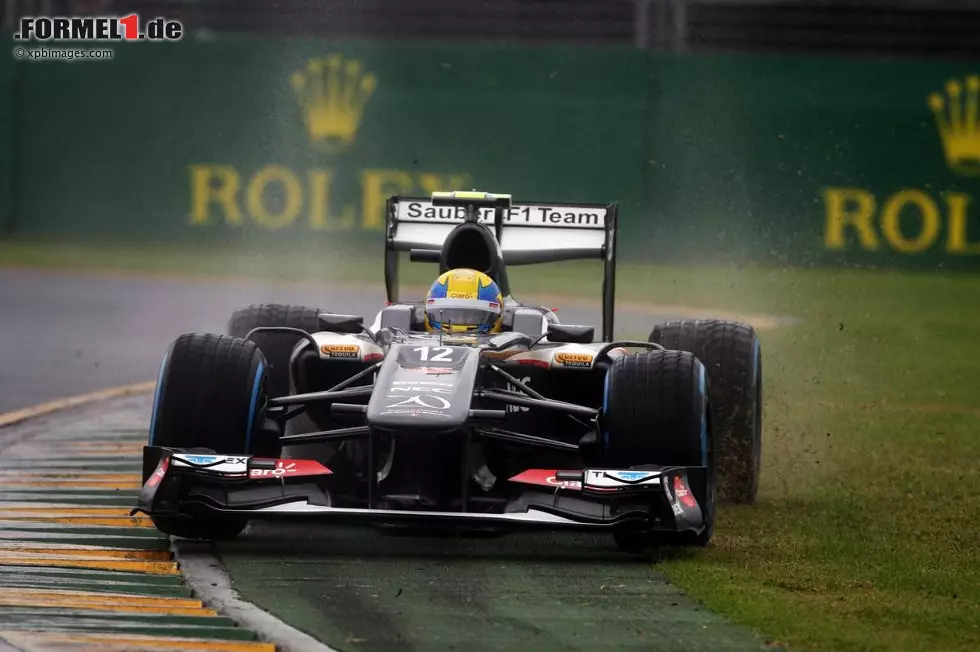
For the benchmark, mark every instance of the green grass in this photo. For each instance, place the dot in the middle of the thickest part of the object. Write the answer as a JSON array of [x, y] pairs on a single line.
[[866, 534]]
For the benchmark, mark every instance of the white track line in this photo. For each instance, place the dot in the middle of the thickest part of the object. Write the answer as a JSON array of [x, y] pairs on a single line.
[[206, 575]]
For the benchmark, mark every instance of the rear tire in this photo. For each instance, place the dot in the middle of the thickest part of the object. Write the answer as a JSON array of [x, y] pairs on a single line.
[[732, 357], [656, 412], [210, 395], [276, 347]]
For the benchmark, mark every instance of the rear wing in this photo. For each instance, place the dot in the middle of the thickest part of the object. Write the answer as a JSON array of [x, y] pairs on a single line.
[[526, 233]]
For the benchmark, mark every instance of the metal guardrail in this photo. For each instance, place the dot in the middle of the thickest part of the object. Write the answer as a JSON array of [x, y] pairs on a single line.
[[876, 27], [888, 27]]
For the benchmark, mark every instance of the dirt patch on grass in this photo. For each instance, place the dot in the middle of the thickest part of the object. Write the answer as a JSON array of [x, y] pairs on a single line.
[[945, 409]]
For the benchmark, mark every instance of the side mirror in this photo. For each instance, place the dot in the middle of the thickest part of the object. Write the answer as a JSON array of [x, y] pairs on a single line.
[[506, 340], [568, 334], [352, 324]]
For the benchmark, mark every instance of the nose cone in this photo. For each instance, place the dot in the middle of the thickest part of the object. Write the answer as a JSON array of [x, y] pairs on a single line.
[[423, 387]]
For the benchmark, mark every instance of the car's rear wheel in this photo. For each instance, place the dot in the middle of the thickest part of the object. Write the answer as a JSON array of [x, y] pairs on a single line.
[[656, 412], [732, 356], [210, 396], [277, 347]]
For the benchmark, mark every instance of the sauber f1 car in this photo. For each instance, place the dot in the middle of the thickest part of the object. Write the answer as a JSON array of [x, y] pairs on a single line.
[[303, 414]]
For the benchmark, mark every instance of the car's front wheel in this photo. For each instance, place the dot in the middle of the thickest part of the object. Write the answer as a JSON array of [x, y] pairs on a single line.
[[732, 356], [210, 397], [656, 412], [276, 347]]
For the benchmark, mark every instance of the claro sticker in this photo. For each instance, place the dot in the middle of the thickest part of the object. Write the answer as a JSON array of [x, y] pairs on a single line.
[[574, 359]]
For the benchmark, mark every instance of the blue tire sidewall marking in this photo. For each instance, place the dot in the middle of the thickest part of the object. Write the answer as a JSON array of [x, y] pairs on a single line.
[[251, 407], [156, 398], [605, 409], [704, 417], [756, 362]]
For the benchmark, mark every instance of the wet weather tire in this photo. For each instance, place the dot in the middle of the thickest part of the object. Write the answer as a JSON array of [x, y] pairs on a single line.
[[207, 527], [656, 412], [277, 347], [210, 395], [732, 356]]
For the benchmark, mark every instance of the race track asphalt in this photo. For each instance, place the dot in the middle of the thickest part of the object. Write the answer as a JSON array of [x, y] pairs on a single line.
[[354, 589], [63, 334]]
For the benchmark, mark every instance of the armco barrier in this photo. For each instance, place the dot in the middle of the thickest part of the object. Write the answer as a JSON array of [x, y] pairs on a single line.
[[713, 158]]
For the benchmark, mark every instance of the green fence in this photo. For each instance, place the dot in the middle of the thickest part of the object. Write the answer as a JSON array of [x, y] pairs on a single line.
[[713, 158]]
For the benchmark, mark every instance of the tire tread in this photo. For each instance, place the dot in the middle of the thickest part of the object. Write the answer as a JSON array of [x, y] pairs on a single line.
[[645, 424], [277, 347], [656, 410], [726, 349], [206, 393]]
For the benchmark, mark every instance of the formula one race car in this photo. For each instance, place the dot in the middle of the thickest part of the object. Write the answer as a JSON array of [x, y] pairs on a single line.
[[300, 413]]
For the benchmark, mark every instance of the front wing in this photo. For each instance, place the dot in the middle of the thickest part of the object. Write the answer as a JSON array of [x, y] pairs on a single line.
[[195, 485]]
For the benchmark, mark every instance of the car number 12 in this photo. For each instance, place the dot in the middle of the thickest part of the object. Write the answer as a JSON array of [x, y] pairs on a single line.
[[440, 353]]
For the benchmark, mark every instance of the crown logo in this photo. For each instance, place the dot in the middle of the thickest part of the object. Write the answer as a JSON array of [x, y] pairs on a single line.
[[332, 94], [959, 128]]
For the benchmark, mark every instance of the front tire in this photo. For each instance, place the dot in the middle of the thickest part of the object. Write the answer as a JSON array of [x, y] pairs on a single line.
[[210, 396], [276, 347], [656, 412], [732, 356]]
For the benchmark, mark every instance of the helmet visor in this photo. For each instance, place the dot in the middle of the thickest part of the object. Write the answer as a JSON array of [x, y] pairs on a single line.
[[462, 314]]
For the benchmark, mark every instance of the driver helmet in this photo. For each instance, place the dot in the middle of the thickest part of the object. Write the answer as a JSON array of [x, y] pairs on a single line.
[[464, 301]]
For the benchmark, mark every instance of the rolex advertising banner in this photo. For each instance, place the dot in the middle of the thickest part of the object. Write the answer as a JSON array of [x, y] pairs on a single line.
[[728, 158], [304, 142], [810, 160]]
